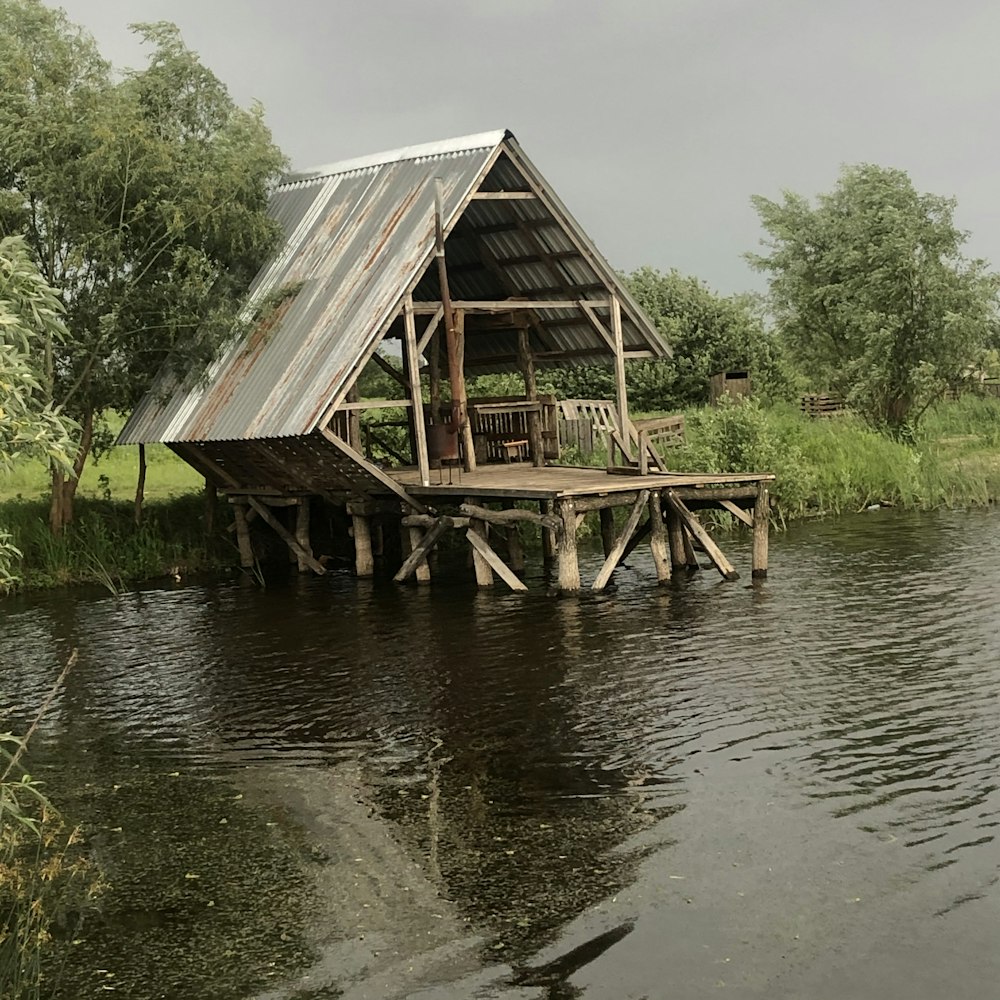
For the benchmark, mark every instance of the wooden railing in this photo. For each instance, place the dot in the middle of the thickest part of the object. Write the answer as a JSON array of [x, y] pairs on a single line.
[[638, 443]]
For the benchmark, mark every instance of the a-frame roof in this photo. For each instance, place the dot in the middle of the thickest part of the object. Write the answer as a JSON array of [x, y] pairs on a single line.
[[360, 238]]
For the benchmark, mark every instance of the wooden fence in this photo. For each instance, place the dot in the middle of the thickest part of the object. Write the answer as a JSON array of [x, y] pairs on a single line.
[[816, 404]]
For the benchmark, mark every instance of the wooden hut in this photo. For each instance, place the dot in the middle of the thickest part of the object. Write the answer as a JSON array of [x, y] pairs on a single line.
[[459, 256]]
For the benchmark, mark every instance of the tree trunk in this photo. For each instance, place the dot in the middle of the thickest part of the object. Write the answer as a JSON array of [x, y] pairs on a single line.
[[63, 486], [140, 485]]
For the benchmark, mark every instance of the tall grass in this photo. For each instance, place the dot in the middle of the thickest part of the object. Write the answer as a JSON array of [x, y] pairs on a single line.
[[104, 545], [45, 876], [841, 464]]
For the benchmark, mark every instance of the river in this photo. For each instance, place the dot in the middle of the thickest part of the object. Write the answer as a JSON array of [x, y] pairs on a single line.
[[334, 788]]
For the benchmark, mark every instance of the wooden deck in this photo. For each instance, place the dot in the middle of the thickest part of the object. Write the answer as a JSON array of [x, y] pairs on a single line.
[[521, 481]]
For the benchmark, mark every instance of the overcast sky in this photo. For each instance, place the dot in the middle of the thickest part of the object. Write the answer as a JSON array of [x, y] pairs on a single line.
[[654, 120]]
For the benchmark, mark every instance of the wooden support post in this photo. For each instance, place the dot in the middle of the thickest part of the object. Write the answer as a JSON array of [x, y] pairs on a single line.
[[364, 560], [693, 525], [549, 537], [658, 538], [515, 549], [675, 536], [434, 377], [690, 559], [568, 563], [484, 551], [302, 534], [459, 399], [454, 327], [601, 581], [607, 530], [416, 395], [243, 535], [761, 524], [484, 574], [353, 419], [621, 395], [211, 502], [423, 570], [286, 536], [536, 444]]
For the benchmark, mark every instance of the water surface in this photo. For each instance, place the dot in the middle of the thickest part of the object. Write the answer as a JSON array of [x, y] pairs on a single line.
[[342, 788]]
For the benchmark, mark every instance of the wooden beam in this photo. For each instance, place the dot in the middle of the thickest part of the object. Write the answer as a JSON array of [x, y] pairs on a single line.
[[513, 515], [508, 305], [391, 370], [286, 536], [486, 552], [420, 553], [374, 404], [372, 470], [413, 369], [202, 462], [429, 330], [602, 578], [694, 526], [738, 512], [504, 196]]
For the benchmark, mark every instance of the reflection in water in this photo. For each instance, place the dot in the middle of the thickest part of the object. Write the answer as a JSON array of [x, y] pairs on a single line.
[[512, 763]]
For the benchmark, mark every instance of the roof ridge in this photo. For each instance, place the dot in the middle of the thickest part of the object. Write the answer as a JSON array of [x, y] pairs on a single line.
[[460, 144]]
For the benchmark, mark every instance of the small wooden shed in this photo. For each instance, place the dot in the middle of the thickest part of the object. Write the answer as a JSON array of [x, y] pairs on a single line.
[[734, 384]]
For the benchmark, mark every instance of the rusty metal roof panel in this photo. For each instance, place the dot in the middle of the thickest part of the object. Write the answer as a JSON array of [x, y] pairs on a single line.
[[357, 236]]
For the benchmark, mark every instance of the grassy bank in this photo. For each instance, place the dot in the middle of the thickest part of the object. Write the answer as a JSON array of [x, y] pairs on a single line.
[[838, 465], [830, 466], [105, 546]]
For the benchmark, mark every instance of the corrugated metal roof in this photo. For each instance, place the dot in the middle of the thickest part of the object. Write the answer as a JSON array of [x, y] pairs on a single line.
[[359, 234]]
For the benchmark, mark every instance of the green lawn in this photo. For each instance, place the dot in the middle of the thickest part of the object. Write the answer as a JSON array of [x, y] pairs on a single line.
[[115, 471]]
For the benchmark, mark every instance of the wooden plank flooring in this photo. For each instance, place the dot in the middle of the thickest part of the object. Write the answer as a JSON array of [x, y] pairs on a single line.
[[520, 481]]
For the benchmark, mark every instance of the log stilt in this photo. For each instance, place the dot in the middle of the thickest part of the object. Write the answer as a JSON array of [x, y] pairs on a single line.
[[658, 538], [243, 536], [423, 548], [638, 537], [567, 561], [484, 573], [549, 537], [485, 552], [515, 549], [607, 530], [601, 581], [302, 534], [761, 524], [423, 570], [675, 537], [690, 556], [364, 560], [286, 536], [694, 526]]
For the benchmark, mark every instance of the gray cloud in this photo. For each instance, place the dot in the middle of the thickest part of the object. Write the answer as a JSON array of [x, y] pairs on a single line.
[[655, 121]]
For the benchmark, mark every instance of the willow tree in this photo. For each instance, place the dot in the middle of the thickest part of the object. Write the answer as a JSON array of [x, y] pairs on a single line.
[[30, 318], [873, 295], [142, 197]]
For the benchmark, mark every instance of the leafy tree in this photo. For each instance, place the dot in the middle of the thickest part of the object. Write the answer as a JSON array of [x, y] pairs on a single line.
[[30, 317], [708, 333], [872, 294], [143, 199]]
